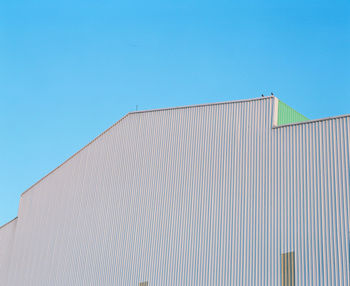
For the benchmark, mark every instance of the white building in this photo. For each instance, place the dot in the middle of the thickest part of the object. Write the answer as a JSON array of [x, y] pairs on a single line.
[[234, 193]]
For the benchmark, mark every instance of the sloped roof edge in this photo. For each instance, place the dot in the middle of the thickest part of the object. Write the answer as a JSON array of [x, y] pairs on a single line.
[[7, 223], [138, 112]]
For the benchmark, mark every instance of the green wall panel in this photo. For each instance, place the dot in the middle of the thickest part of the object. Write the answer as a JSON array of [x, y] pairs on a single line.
[[287, 115]]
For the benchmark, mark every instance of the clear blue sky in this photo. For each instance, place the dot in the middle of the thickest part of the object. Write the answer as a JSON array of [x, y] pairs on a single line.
[[70, 69]]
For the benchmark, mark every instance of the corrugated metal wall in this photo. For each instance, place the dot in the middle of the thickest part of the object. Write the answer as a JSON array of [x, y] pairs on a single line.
[[312, 188], [7, 236], [205, 195], [287, 115]]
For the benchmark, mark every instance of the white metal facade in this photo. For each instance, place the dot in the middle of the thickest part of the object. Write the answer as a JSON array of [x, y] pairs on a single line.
[[7, 235], [203, 195]]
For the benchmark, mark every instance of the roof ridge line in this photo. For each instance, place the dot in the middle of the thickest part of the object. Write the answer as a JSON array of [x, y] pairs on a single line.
[[202, 105], [138, 112]]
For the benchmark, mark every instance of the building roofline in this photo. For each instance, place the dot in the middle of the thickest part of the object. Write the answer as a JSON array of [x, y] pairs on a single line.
[[274, 126], [202, 105], [311, 121], [2, 226], [76, 153], [138, 112]]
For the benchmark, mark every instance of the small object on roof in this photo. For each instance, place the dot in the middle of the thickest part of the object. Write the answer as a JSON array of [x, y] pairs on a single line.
[[262, 95], [272, 93]]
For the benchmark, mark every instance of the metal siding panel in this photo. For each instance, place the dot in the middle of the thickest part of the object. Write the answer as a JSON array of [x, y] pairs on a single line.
[[206, 195], [287, 115], [322, 253], [7, 236]]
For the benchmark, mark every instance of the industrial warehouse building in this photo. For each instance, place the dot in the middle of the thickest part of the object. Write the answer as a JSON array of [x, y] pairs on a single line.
[[246, 192]]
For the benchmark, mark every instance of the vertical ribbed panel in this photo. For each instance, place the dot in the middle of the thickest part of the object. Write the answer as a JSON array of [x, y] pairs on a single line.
[[7, 236], [314, 186], [206, 195], [287, 115]]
